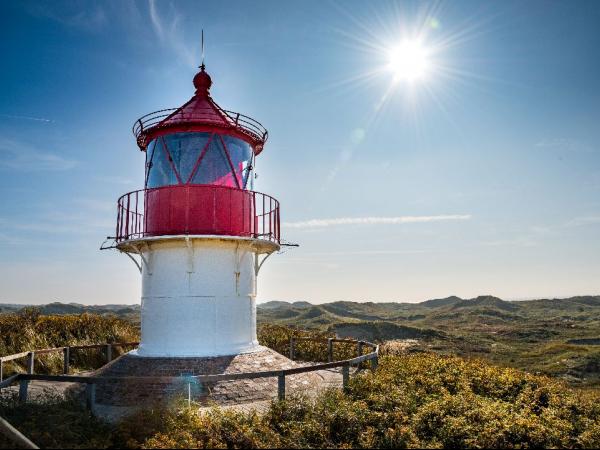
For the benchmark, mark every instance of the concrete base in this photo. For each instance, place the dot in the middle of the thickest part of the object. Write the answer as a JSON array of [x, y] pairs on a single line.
[[124, 397]]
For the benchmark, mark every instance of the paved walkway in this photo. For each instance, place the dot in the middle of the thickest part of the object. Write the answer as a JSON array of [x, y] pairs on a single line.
[[44, 390], [40, 390]]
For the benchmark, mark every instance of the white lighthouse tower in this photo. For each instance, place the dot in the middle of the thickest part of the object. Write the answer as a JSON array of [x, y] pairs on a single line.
[[199, 229]]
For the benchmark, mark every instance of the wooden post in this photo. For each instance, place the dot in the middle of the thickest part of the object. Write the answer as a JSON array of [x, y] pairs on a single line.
[[359, 350], [345, 375], [330, 350], [66, 358], [90, 396], [23, 385], [374, 363], [30, 361], [292, 348], [108, 353], [281, 385]]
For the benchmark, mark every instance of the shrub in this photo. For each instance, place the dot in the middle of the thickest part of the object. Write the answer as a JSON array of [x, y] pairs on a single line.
[[411, 401], [28, 330], [53, 422], [278, 338], [417, 400]]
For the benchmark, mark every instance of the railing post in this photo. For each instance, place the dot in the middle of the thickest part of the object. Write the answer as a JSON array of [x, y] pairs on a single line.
[[281, 386], [90, 396], [108, 353], [345, 375], [359, 351], [66, 358], [330, 350], [292, 349], [23, 386], [374, 363], [127, 214], [30, 361]]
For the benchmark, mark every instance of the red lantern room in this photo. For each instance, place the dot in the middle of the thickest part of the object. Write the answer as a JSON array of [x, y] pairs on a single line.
[[199, 174]]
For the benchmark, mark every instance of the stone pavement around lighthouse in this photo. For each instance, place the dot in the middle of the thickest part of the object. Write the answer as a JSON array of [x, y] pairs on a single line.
[[118, 399]]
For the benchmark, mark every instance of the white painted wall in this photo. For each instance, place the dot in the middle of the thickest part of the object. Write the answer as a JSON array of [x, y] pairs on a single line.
[[198, 298]]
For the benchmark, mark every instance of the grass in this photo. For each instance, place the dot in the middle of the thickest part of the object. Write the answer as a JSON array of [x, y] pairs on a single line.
[[411, 401], [28, 330], [419, 400], [536, 335], [53, 422]]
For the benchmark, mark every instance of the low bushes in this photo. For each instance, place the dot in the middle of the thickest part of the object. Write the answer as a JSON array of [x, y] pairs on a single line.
[[412, 400], [418, 400], [278, 338], [28, 330]]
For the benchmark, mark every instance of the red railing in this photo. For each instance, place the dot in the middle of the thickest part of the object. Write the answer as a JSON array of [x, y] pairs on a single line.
[[197, 210], [247, 125]]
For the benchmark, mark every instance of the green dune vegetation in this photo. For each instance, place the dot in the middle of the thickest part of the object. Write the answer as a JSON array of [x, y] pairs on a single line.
[[411, 401], [556, 337], [28, 329], [453, 373]]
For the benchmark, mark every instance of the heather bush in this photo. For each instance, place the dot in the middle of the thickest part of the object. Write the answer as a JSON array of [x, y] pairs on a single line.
[[418, 400], [278, 337], [28, 330], [53, 422], [413, 400]]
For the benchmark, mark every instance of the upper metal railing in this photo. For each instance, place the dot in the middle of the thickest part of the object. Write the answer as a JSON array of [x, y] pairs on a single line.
[[197, 210], [247, 125]]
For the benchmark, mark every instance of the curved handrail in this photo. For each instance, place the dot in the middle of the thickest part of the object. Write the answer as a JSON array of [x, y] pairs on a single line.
[[259, 214], [91, 382], [200, 378], [247, 125]]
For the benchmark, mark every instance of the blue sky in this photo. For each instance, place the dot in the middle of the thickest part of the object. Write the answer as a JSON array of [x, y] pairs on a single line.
[[482, 178]]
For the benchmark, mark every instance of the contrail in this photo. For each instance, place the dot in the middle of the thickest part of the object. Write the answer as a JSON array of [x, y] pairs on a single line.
[[319, 223]]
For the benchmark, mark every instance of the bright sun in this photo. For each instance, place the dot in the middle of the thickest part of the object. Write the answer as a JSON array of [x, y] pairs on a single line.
[[409, 61]]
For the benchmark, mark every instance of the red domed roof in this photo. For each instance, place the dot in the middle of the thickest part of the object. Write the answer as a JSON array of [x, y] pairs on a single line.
[[200, 113]]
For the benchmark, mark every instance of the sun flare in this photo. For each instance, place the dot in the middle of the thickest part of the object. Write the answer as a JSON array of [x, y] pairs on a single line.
[[409, 61]]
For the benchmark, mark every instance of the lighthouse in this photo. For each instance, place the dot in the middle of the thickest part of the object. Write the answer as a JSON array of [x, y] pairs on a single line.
[[199, 235], [198, 231]]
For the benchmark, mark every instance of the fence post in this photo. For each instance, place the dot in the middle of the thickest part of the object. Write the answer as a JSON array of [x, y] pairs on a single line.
[[23, 385], [345, 375], [108, 353], [292, 348], [281, 385], [329, 350], [30, 361], [66, 358], [374, 363], [1, 370], [359, 350], [90, 396]]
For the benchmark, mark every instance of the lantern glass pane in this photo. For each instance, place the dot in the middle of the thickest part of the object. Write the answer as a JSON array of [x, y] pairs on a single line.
[[214, 167], [241, 157]]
